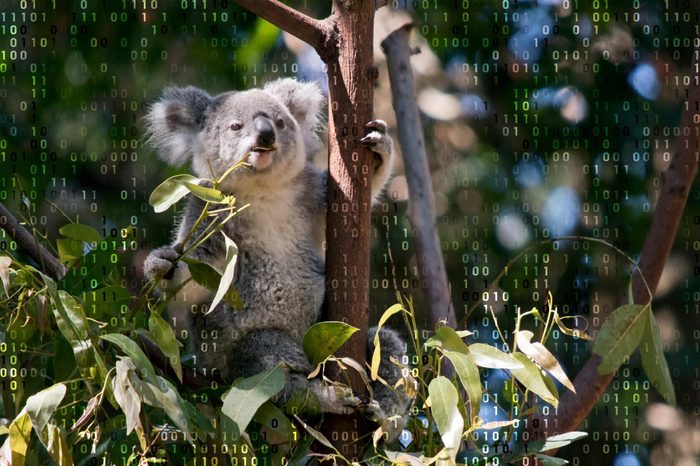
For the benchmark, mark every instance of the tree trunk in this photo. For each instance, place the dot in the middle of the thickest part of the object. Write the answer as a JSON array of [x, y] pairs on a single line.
[[350, 82]]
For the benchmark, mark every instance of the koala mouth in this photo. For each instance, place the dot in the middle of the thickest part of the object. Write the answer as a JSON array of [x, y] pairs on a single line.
[[260, 157]]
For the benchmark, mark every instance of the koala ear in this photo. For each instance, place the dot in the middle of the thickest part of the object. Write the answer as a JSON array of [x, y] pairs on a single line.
[[175, 121], [304, 101]]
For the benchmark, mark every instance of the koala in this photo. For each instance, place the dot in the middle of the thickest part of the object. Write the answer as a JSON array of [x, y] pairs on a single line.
[[280, 264]]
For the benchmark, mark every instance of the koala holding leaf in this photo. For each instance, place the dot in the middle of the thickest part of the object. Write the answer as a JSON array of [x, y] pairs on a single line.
[[280, 264]]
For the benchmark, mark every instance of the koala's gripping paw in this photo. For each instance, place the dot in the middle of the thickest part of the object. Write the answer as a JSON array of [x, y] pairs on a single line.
[[378, 141], [161, 263], [391, 426], [337, 399]]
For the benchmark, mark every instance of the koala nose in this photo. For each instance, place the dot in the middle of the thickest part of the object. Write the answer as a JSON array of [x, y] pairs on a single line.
[[266, 132]]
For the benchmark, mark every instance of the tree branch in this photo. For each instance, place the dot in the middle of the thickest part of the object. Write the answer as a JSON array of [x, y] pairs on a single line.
[[677, 181], [421, 212], [30, 245], [317, 33]]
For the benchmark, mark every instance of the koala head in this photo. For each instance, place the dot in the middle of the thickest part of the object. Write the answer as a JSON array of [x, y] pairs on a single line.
[[274, 126]]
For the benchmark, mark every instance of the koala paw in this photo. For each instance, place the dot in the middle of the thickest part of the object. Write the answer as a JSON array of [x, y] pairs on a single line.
[[338, 399], [391, 426], [161, 263], [378, 141]]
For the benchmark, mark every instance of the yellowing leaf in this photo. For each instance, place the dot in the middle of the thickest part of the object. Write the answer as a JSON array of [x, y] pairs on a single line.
[[324, 338], [654, 361], [620, 335], [206, 194], [377, 354], [576, 333], [541, 355], [530, 376]]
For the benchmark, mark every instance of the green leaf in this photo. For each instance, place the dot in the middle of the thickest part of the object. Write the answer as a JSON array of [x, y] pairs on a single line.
[[242, 400], [555, 442], [229, 272], [207, 276], [164, 337], [69, 250], [170, 191], [443, 400], [451, 345], [163, 395], [41, 406], [654, 361], [80, 232], [541, 355], [271, 416], [206, 194], [620, 335], [531, 377], [317, 435], [491, 357], [546, 460], [377, 354], [136, 355], [324, 338], [106, 302]]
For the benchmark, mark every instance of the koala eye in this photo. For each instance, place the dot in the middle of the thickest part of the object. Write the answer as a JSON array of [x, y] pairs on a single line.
[[236, 126], [280, 123]]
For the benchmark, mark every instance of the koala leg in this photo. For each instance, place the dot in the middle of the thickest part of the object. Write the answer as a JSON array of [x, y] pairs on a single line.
[[263, 349], [160, 263], [389, 406], [383, 147]]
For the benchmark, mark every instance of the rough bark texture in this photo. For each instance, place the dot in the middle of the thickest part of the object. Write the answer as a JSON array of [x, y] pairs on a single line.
[[677, 181], [421, 212], [350, 82]]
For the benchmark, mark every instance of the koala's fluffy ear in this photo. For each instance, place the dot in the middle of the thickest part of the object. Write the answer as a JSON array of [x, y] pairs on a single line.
[[305, 102], [175, 121]]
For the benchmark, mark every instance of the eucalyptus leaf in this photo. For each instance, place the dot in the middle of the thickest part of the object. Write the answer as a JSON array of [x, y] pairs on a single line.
[[136, 355], [229, 272], [170, 191], [377, 353], [244, 398], [206, 194], [163, 335], [80, 232], [541, 355], [58, 447], [444, 400], [42, 405], [530, 376], [449, 343], [654, 361], [324, 338], [620, 335], [491, 357]]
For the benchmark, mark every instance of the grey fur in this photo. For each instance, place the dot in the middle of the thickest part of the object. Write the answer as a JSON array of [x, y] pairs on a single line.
[[280, 268]]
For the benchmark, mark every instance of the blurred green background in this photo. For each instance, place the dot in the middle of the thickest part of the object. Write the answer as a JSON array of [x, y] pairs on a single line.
[[542, 119]]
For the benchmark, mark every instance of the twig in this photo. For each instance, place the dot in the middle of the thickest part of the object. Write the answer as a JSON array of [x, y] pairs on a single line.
[[421, 212], [30, 245], [317, 33], [677, 180]]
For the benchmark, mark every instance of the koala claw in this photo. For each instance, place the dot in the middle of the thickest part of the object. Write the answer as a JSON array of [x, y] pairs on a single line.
[[161, 263], [379, 142]]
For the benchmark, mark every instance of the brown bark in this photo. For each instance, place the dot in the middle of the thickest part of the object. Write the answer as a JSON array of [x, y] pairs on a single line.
[[29, 244], [676, 183], [344, 42], [421, 212], [350, 82]]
